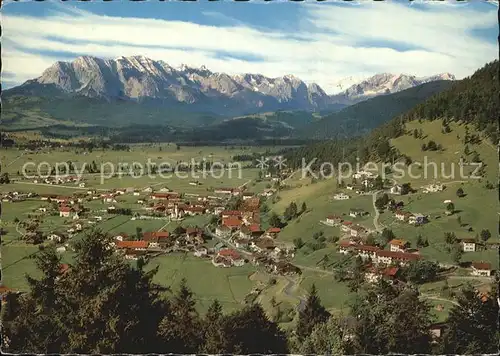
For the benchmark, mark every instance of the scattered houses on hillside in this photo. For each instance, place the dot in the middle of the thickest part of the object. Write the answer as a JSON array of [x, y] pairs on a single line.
[[357, 213]]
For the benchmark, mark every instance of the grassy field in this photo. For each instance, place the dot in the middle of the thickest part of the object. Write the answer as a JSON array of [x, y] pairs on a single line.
[[453, 149], [228, 285]]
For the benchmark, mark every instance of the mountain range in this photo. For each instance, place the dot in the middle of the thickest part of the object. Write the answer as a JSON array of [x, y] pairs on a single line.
[[143, 80]]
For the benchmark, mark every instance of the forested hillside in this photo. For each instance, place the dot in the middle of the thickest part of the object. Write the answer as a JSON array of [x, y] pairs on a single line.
[[361, 118]]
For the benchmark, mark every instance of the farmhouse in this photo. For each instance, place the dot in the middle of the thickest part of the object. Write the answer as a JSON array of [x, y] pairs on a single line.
[[357, 212], [156, 239], [251, 231], [242, 243], [374, 274], [346, 226], [233, 257], [263, 245], [403, 215], [345, 246], [341, 196], [272, 232], [396, 189], [417, 219], [333, 220], [54, 237], [64, 211], [397, 245], [481, 269], [357, 230], [468, 245]]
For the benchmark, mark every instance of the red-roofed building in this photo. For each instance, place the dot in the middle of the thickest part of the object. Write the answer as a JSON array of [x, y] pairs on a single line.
[[64, 211], [390, 257], [165, 195], [481, 269], [357, 230], [366, 251], [273, 232], [251, 231], [232, 222], [373, 274], [194, 210], [133, 245], [398, 245], [232, 256], [346, 226], [333, 220], [345, 246]]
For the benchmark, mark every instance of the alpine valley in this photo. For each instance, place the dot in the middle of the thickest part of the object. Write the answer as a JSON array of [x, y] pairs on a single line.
[[112, 96]]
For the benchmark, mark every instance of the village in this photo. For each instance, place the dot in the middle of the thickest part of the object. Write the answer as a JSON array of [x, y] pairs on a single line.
[[230, 234]]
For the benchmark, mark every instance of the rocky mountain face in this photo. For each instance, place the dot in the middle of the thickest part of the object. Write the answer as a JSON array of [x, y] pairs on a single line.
[[384, 83], [140, 78], [143, 80]]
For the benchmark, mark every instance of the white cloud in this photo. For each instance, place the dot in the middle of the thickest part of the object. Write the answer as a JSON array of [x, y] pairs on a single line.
[[329, 45]]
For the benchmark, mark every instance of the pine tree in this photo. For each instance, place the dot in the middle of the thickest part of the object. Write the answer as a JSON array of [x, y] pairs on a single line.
[[212, 327], [101, 304], [472, 326], [182, 328], [313, 313], [249, 331]]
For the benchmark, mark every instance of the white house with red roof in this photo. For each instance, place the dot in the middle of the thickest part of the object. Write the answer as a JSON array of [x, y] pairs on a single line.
[[232, 256], [64, 211], [481, 269]]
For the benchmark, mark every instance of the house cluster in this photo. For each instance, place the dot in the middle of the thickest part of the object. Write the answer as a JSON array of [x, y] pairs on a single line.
[[178, 206], [375, 273], [410, 218], [347, 226], [16, 196], [397, 255], [159, 242], [59, 180], [433, 188], [242, 229]]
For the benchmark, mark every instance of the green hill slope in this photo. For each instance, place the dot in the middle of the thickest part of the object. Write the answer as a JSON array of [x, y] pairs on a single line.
[[362, 117]]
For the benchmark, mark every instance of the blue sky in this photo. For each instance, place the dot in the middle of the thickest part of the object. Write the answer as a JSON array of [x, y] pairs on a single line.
[[331, 43]]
